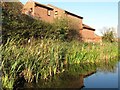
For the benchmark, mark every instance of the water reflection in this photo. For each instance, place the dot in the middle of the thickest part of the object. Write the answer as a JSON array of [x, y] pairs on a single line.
[[102, 80], [83, 76], [78, 82], [64, 80], [105, 77]]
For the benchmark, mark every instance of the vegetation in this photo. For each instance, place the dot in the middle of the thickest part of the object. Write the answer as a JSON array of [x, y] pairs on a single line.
[[20, 26], [109, 35], [33, 50], [41, 59], [75, 74]]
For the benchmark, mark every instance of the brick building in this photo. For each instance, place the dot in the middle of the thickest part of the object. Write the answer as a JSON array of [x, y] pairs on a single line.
[[87, 33], [75, 19], [38, 10], [97, 38], [49, 12]]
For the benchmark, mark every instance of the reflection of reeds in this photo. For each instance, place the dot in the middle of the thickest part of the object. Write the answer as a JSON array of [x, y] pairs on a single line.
[[44, 58], [74, 75]]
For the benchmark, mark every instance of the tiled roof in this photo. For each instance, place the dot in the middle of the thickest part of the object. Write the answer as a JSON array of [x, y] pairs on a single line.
[[45, 6], [73, 14], [88, 27], [67, 12]]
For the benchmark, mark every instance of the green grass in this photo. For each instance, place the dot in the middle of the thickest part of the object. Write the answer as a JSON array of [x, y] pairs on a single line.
[[41, 59]]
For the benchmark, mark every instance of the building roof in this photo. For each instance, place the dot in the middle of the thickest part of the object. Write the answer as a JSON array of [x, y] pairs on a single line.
[[67, 11], [49, 5], [44, 6], [88, 27], [73, 14]]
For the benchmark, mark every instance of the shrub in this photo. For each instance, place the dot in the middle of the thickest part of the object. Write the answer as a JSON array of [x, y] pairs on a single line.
[[20, 26], [109, 35]]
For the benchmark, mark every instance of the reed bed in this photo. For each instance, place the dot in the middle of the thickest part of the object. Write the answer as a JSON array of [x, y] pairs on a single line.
[[41, 59]]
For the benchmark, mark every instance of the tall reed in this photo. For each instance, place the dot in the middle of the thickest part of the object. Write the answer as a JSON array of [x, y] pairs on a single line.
[[41, 59]]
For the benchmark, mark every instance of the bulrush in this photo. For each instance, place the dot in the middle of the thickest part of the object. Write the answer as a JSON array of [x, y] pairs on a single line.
[[47, 57]]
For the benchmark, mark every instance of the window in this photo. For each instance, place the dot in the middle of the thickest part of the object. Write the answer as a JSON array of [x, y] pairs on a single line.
[[56, 12], [48, 12], [31, 10]]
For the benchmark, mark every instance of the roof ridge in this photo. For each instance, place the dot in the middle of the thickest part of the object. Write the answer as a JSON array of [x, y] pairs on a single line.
[[42, 5], [54, 6], [65, 11], [88, 27]]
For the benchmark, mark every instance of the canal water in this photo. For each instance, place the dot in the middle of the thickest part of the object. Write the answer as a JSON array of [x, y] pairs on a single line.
[[82, 77], [103, 78]]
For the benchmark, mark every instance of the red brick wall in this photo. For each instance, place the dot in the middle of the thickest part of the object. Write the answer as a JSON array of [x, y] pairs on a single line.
[[87, 35], [42, 13], [38, 12], [76, 22], [27, 7], [98, 39], [59, 11]]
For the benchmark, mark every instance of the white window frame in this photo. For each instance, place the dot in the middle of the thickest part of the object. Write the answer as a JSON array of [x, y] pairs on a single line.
[[56, 12], [49, 12]]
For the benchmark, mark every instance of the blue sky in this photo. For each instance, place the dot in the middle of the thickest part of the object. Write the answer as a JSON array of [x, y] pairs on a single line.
[[95, 14]]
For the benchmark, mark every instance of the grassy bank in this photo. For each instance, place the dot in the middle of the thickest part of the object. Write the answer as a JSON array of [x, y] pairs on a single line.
[[41, 59]]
